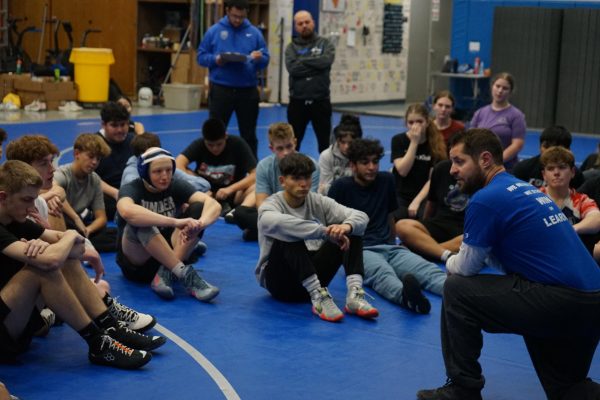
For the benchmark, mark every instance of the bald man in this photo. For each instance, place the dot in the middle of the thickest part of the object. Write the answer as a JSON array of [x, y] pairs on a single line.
[[308, 59]]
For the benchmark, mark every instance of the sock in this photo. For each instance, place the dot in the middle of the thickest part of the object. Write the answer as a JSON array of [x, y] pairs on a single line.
[[179, 270], [445, 255], [311, 284], [90, 333], [354, 280], [105, 320]]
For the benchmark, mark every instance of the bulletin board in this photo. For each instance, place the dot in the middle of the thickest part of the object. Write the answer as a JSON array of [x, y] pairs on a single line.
[[362, 71]]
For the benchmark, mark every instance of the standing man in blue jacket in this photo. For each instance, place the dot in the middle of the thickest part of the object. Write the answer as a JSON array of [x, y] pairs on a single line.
[[234, 51], [308, 59]]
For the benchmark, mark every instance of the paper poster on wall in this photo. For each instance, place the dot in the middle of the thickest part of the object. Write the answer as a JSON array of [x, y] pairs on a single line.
[[333, 5], [351, 38]]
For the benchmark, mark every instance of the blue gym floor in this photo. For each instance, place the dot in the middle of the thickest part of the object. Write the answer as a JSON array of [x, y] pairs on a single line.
[[247, 345]]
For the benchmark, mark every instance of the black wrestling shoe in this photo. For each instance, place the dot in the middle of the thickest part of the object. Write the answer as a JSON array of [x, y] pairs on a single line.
[[108, 351], [412, 297], [135, 339], [450, 391]]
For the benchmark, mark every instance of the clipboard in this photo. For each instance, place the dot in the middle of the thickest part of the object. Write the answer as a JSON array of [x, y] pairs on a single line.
[[233, 57]]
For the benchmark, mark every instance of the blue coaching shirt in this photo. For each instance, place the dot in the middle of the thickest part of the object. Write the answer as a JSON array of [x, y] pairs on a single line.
[[529, 235]]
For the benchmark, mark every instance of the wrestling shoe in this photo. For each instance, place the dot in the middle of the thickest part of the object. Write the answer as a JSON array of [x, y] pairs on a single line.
[[108, 351], [357, 304], [132, 319], [198, 287], [135, 339], [412, 297], [162, 284], [324, 307], [450, 391]]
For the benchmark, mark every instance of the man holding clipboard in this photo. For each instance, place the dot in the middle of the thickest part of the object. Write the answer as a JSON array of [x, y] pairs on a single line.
[[234, 51]]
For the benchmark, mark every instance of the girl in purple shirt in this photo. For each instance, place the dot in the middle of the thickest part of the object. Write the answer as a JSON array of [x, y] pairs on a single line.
[[504, 119]]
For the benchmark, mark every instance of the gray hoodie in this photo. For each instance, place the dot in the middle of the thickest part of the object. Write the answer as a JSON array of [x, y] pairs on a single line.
[[332, 165], [277, 220]]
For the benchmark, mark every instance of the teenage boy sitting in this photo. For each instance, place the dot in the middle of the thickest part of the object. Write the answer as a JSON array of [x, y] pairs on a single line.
[[281, 142], [156, 236], [582, 212], [530, 170], [83, 186], [40, 262], [303, 239], [39, 152], [225, 161], [393, 271], [142, 142], [115, 131]]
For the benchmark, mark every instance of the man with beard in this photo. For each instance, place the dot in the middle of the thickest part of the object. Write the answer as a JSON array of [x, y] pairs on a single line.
[[308, 59], [549, 294]]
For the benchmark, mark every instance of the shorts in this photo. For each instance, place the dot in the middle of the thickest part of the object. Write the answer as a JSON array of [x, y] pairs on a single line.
[[443, 229], [137, 273], [10, 348]]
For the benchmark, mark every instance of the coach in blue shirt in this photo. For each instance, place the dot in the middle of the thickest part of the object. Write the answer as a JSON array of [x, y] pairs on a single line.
[[549, 294]]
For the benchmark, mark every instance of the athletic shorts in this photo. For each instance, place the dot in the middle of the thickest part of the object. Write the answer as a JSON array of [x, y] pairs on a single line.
[[442, 229], [137, 273]]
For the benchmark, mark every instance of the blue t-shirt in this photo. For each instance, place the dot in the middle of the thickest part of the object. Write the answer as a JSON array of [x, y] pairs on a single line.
[[377, 200], [529, 235]]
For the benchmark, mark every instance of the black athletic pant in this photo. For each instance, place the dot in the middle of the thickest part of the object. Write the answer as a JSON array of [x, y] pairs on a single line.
[[561, 328], [301, 112], [290, 263], [224, 100]]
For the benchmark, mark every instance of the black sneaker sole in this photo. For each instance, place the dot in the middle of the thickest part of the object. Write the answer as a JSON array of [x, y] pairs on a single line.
[[412, 297], [133, 364]]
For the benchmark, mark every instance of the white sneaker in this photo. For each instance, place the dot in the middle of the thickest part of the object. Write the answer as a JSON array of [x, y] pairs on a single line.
[[70, 106], [10, 106], [132, 319], [36, 105]]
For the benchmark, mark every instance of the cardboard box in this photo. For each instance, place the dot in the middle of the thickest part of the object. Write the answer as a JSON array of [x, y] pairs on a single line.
[[173, 33], [28, 85], [29, 97], [61, 91], [52, 105]]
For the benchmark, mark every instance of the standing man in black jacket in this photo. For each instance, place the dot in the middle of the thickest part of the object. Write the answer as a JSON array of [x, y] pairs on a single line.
[[308, 59]]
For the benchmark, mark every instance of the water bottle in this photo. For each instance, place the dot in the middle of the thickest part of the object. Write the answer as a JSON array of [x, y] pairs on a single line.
[[476, 66], [19, 66]]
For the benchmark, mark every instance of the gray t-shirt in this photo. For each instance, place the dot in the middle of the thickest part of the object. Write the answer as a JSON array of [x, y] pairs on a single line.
[[81, 194]]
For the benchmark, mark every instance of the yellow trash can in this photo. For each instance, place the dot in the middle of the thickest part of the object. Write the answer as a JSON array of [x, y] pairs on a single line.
[[92, 73]]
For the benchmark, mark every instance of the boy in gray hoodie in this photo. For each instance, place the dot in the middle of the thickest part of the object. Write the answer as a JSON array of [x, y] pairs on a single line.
[[303, 238]]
